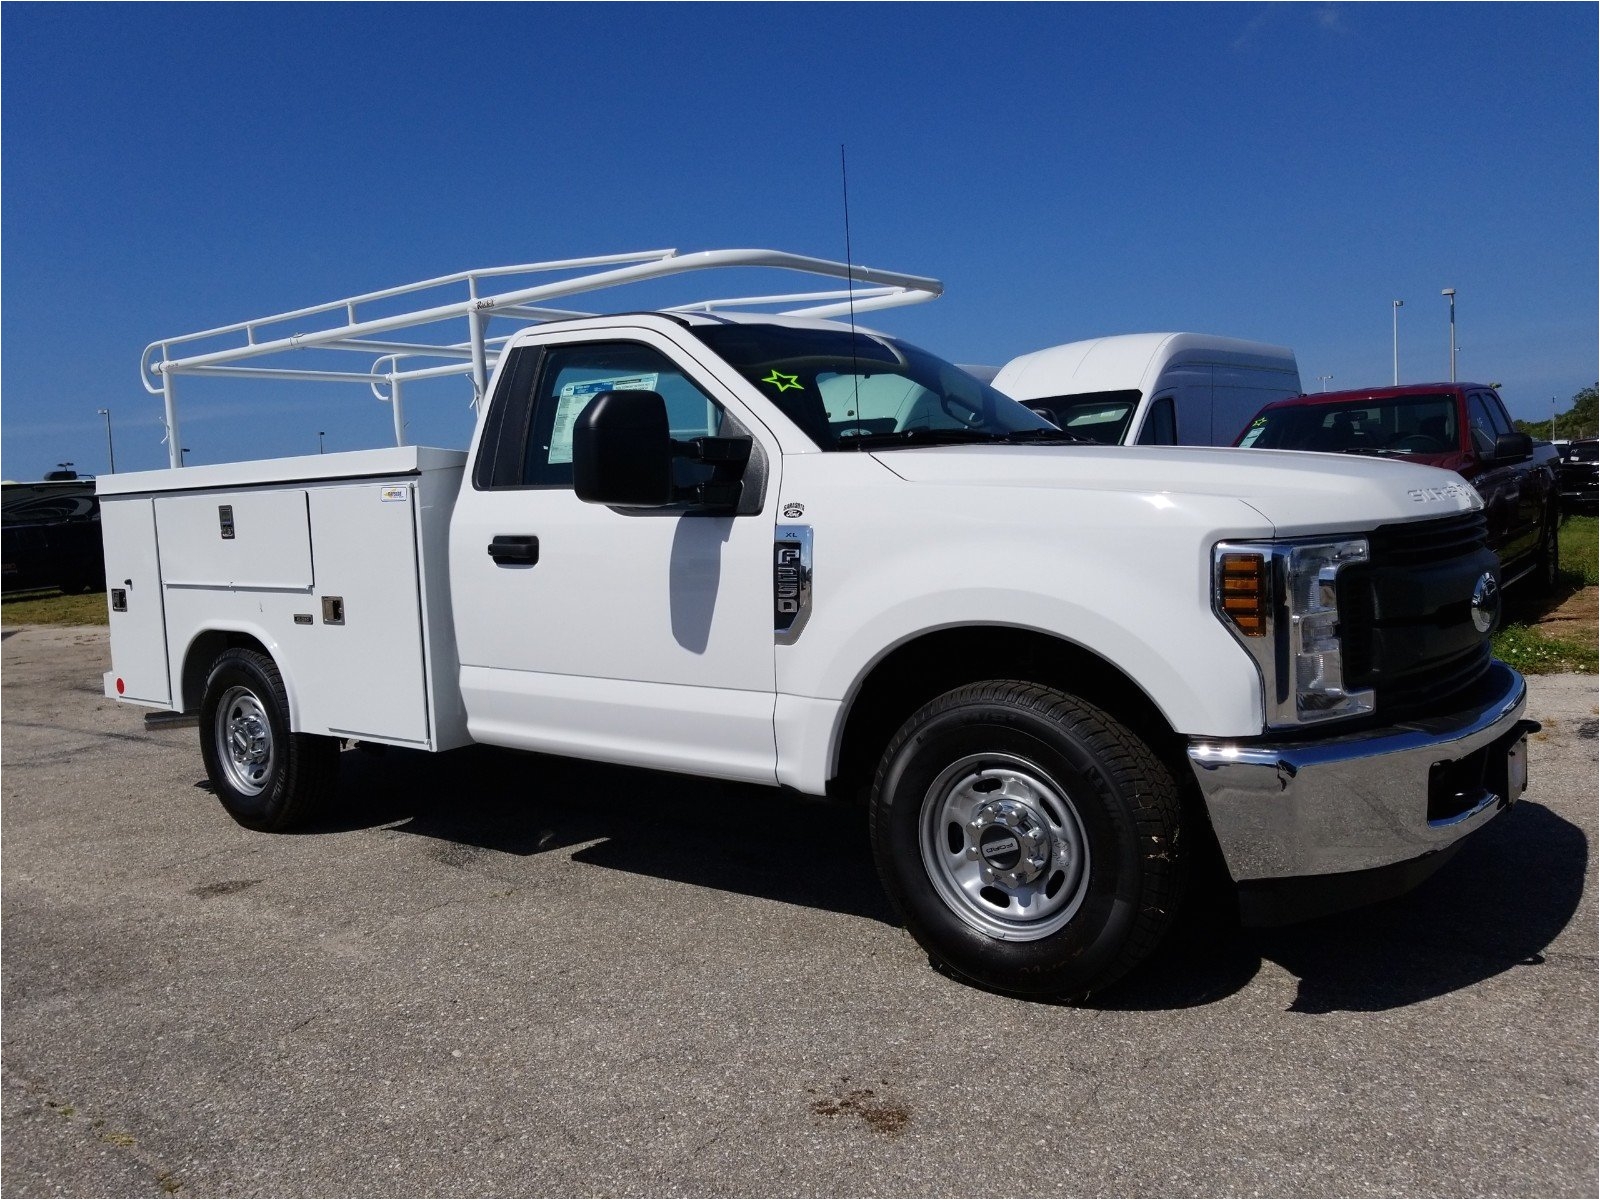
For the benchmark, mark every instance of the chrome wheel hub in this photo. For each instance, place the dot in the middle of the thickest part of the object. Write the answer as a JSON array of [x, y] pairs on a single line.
[[1004, 847], [244, 740]]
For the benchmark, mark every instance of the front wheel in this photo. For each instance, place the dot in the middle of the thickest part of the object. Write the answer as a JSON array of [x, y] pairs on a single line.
[[1028, 839], [266, 776]]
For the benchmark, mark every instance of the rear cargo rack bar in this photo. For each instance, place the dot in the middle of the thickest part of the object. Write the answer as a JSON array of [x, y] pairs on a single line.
[[343, 325]]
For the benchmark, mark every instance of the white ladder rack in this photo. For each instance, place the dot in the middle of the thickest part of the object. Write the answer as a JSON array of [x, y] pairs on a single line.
[[395, 362]]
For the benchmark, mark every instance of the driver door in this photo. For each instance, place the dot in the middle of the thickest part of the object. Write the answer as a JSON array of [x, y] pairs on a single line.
[[640, 636]]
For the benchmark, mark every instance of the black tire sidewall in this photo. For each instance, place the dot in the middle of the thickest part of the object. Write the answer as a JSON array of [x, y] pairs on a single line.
[[1091, 941], [236, 668]]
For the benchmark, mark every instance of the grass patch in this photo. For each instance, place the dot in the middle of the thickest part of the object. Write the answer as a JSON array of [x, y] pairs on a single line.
[[1535, 649], [1534, 652], [1580, 551], [53, 608]]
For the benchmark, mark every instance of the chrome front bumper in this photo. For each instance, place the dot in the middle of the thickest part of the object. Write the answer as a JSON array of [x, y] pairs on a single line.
[[1367, 800]]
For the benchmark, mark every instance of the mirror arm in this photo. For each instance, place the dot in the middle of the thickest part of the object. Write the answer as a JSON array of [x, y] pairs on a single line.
[[718, 451]]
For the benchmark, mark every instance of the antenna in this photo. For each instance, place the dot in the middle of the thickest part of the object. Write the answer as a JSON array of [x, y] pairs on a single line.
[[850, 283]]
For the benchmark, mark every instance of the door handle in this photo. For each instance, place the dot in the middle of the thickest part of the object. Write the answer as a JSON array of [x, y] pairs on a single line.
[[507, 550]]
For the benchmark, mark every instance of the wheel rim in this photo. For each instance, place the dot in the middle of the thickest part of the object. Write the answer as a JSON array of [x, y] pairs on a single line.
[[1004, 847], [243, 735]]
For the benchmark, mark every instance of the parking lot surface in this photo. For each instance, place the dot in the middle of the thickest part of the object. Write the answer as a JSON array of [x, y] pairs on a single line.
[[495, 974]]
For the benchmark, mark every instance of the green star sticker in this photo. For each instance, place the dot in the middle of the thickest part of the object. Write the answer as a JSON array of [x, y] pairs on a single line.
[[783, 382]]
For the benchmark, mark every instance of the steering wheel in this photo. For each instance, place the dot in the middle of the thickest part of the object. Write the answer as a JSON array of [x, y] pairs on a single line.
[[1422, 443]]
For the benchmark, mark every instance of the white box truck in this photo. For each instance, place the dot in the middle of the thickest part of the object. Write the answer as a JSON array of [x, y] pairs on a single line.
[[783, 549], [1153, 389]]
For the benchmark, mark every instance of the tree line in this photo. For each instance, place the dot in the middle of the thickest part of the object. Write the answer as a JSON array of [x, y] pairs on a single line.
[[1579, 421]]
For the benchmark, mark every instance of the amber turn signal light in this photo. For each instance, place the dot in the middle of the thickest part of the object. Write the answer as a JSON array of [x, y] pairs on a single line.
[[1244, 592]]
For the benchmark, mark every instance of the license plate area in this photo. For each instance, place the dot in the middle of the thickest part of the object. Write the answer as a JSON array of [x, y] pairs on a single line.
[[1495, 774]]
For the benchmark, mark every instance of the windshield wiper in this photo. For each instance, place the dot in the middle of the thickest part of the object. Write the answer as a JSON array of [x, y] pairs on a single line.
[[959, 437], [1047, 437], [917, 437]]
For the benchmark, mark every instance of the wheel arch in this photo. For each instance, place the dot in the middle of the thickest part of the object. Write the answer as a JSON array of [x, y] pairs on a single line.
[[202, 652], [937, 661]]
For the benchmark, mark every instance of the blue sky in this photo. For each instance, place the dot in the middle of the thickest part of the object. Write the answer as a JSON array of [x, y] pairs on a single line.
[[1276, 172]]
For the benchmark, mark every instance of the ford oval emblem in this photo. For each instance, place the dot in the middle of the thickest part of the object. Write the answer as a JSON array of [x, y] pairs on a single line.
[[1486, 603]]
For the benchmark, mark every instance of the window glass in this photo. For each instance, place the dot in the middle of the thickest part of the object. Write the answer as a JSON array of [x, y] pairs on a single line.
[[1424, 424], [1484, 430], [1160, 427], [572, 376], [1497, 413]]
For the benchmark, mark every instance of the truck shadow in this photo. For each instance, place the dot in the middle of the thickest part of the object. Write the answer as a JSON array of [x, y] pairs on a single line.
[[732, 837], [1493, 908]]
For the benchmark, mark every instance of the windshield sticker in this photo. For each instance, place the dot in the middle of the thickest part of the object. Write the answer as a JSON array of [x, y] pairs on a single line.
[[783, 382], [575, 396]]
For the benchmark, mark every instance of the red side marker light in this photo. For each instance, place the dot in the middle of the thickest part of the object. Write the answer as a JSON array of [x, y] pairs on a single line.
[[119, 687]]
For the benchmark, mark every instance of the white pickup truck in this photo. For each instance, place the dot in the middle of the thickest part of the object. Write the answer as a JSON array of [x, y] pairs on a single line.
[[782, 549]]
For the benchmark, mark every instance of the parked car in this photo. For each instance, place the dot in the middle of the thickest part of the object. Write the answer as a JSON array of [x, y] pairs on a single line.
[[1151, 389], [1580, 476], [1462, 427], [52, 536]]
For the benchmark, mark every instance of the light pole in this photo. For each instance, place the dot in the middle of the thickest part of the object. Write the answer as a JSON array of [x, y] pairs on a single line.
[[182, 450], [1451, 292], [320, 432], [1324, 379], [111, 450], [1398, 305]]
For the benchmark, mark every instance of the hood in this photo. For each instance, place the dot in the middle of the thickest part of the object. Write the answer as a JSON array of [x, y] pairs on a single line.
[[1297, 491]]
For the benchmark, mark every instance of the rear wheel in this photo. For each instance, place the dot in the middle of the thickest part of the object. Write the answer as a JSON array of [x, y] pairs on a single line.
[[1028, 839], [267, 777]]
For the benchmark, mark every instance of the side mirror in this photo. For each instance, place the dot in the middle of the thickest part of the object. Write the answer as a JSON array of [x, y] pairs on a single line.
[[1513, 447], [1040, 409], [622, 451]]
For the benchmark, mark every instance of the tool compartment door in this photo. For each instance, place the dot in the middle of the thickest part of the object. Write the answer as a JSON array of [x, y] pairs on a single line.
[[364, 677], [137, 605]]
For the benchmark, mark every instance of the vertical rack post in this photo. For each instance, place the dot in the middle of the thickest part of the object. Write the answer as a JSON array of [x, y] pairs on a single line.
[[399, 413], [174, 444], [480, 373]]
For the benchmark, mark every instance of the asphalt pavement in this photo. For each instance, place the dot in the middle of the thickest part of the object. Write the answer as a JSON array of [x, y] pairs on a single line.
[[492, 974]]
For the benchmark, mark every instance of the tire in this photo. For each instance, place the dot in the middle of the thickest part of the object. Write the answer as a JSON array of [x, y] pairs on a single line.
[[267, 777], [1029, 841], [1547, 566]]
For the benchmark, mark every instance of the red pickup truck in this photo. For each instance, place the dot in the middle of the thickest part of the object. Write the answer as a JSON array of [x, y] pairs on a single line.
[[1462, 427]]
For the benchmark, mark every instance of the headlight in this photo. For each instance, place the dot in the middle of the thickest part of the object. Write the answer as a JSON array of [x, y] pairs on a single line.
[[1281, 600]]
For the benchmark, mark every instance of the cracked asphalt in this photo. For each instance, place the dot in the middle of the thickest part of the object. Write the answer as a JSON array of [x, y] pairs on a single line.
[[490, 974]]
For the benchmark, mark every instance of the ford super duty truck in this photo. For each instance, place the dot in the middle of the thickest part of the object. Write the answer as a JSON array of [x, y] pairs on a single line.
[[786, 550]]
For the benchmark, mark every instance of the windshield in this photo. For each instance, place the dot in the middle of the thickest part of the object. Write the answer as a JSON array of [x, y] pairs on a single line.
[[852, 391], [1098, 416], [1402, 425]]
